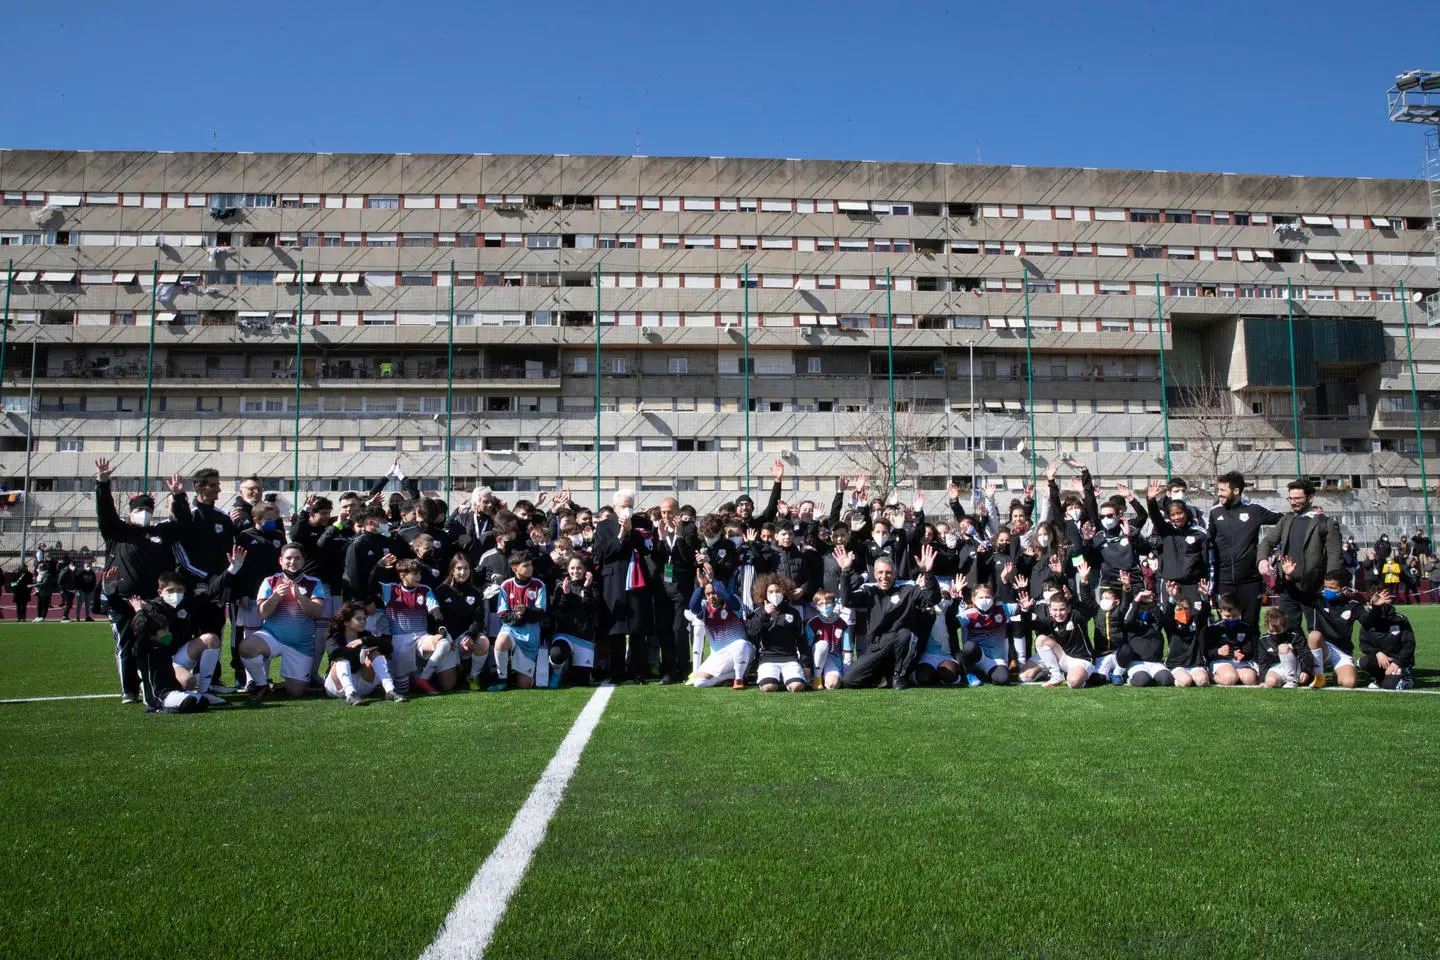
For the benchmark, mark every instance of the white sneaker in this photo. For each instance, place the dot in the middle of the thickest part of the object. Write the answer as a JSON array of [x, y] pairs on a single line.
[[212, 699], [64, 619], [1373, 686], [1289, 685], [1055, 680], [37, 620]]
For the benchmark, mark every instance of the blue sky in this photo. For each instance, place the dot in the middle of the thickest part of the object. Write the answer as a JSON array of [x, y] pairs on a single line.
[[1278, 87]]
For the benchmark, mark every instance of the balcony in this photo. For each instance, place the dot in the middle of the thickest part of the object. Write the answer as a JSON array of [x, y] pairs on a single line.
[[1405, 420]]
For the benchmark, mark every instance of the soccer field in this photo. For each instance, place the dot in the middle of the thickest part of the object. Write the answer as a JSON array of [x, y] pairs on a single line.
[[1109, 822]]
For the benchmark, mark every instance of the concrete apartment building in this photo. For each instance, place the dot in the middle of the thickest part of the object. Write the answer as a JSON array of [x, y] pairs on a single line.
[[689, 252]]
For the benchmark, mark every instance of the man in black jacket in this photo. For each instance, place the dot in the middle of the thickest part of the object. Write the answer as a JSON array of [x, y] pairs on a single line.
[[622, 540], [204, 550], [1235, 525], [672, 569], [900, 617], [138, 551]]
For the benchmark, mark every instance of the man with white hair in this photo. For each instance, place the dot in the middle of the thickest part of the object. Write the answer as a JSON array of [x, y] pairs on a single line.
[[474, 523], [622, 541]]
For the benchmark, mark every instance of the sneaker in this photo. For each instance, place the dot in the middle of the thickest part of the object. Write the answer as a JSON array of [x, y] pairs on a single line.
[[423, 685], [131, 698], [818, 683], [221, 688], [38, 620], [554, 681], [1318, 683], [1405, 683], [1117, 678], [1054, 680], [971, 680], [1289, 685], [737, 685], [900, 684], [211, 699], [1373, 686], [353, 700], [258, 692], [497, 687], [395, 696], [64, 619]]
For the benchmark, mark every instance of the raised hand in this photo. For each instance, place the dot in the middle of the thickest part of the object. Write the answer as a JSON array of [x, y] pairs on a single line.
[[1029, 491], [952, 491], [991, 488], [1052, 468], [175, 484], [237, 554], [927, 558], [1082, 567], [843, 558], [858, 483], [109, 576], [1006, 571], [1123, 489], [1021, 584], [102, 469], [1172, 589], [1152, 490], [1125, 580], [750, 534], [1288, 566], [777, 470], [1204, 586], [957, 588], [1025, 601], [540, 499], [1055, 563]]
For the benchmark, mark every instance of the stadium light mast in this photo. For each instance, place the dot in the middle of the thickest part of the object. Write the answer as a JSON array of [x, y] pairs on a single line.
[[1414, 97]]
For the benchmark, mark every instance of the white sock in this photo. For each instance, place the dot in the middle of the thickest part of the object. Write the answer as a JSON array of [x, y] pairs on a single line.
[[744, 651], [257, 669], [1317, 654], [1290, 666], [1052, 662], [822, 658], [208, 659], [502, 664], [347, 682], [442, 647], [1021, 649], [697, 647], [381, 669]]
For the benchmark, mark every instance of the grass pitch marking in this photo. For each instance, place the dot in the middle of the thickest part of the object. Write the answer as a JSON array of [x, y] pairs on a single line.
[[472, 922], [83, 696]]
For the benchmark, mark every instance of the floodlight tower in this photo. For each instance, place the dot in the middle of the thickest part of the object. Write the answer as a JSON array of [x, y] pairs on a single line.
[[1414, 97]]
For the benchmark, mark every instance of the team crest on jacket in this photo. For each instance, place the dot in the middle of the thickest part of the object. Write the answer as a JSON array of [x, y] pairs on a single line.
[[1244, 518], [895, 599], [155, 540], [219, 528]]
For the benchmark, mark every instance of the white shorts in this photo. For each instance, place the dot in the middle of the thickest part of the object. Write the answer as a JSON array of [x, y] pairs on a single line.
[[1068, 663], [403, 655], [1292, 676], [362, 686], [722, 664], [1108, 665], [582, 652], [449, 661], [294, 664], [936, 659], [787, 672], [538, 668], [1237, 664], [1334, 656], [183, 659], [1145, 666]]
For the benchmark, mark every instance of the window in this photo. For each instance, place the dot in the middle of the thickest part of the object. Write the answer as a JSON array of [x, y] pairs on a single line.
[[257, 278], [679, 365], [383, 201], [620, 366], [70, 446], [812, 365], [543, 241]]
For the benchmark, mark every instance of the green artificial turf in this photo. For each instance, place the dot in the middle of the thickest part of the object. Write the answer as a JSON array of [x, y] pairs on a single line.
[[990, 822]]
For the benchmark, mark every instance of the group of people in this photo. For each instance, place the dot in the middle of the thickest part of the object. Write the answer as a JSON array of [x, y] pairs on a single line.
[[398, 596], [54, 572]]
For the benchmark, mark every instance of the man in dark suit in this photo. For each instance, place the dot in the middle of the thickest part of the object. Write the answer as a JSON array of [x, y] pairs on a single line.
[[672, 570], [622, 541]]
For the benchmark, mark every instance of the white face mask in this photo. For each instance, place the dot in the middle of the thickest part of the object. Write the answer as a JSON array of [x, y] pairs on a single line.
[[983, 604], [624, 513], [140, 518], [1178, 495], [951, 540], [711, 541], [1043, 539], [879, 538], [1109, 523], [174, 598], [1073, 515], [1047, 595], [775, 598], [1107, 604]]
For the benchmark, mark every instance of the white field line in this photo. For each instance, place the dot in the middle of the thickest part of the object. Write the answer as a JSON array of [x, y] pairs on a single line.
[[472, 922]]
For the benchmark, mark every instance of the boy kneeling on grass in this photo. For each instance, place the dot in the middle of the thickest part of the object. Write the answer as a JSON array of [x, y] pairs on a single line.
[[828, 636], [1062, 644], [1336, 615], [174, 658], [1280, 656], [358, 659], [1387, 644], [715, 618]]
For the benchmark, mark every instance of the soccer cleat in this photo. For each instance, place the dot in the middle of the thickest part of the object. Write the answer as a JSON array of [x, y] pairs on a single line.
[[737, 684], [395, 696], [221, 688], [129, 698], [38, 620], [213, 700], [971, 680], [64, 619], [817, 684], [258, 692], [497, 687], [1318, 682], [1289, 685], [423, 685], [1373, 686], [1405, 683], [1054, 680], [353, 700], [1117, 678]]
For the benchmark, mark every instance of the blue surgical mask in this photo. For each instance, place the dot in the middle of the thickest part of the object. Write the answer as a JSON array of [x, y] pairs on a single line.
[[1329, 594], [825, 611], [1230, 623], [270, 526]]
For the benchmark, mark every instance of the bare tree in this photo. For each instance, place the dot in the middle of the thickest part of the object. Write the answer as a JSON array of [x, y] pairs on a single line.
[[1205, 414], [911, 440]]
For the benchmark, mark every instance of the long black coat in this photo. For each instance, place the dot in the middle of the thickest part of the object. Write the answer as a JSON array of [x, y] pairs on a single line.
[[624, 611]]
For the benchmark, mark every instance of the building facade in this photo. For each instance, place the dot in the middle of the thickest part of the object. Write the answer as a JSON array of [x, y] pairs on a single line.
[[826, 269]]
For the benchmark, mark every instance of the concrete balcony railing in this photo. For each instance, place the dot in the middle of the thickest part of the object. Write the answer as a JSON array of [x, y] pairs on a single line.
[[1405, 420]]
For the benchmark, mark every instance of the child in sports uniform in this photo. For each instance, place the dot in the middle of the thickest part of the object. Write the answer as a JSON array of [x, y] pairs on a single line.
[[359, 660], [575, 611], [1387, 644], [715, 618], [415, 628], [828, 635], [1141, 653], [983, 627], [522, 605], [1232, 646], [778, 634], [1280, 649], [1185, 639], [1331, 643]]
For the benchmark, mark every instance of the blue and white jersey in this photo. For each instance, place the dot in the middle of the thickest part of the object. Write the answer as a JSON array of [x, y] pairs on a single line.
[[287, 623]]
